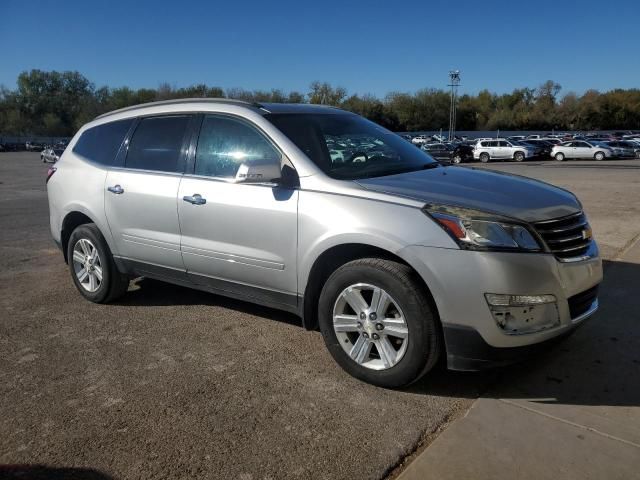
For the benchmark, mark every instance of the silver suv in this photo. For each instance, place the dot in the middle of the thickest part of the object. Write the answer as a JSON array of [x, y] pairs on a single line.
[[501, 149], [399, 261]]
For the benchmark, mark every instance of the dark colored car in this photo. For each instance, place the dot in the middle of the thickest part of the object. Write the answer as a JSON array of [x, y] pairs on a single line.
[[543, 147], [450, 152]]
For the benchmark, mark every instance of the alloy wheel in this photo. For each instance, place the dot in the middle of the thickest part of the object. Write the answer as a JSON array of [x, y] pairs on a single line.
[[370, 326], [87, 265]]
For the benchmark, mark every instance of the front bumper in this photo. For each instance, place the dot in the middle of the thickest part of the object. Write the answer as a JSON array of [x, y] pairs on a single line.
[[459, 279]]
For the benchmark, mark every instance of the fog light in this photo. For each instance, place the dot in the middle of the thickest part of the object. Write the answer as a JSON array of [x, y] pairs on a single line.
[[522, 314]]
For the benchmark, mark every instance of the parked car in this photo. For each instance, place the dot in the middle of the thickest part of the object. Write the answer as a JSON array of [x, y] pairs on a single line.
[[398, 260], [580, 149], [552, 140], [542, 147], [501, 149], [51, 155], [34, 146], [450, 152], [624, 149], [420, 139]]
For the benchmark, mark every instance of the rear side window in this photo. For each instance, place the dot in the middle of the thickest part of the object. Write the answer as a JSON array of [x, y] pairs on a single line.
[[101, 144], [225, 144], [157, 144]]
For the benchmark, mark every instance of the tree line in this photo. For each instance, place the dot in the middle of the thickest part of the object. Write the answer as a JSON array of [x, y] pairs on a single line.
[[58, 103]]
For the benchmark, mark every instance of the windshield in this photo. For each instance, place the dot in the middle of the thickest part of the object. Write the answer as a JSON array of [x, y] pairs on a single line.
[[349, 147]]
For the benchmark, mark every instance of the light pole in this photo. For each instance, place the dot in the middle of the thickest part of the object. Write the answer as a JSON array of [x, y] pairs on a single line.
[[454, 83]]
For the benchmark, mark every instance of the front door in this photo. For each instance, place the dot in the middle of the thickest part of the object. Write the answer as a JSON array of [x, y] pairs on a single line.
[[581, 150], [141, 198], [238, 238]]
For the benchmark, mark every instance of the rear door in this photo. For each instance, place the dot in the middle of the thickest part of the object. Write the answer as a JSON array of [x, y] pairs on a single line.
[[494, 149], [238, 238], [141, 196]]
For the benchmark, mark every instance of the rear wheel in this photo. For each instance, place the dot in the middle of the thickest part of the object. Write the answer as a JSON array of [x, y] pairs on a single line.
[[377, 323], [92, 268], [559, 156], [456, 159], [484, 157], [599, 156]]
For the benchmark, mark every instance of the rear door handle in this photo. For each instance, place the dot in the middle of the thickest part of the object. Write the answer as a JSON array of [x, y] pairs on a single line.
[[117, 189], [195, 199]]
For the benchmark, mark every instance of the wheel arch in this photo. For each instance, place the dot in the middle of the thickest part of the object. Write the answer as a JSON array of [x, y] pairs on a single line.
[[71, 221], [334, 257]]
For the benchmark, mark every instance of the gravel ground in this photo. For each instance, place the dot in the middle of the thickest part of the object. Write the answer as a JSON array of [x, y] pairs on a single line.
[[175, 383]]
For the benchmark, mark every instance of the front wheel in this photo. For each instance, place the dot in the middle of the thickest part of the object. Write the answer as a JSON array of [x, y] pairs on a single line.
[[518, 157], [599, 156], [559, 156], [484, 157], [456, 159], [92, 268], [377, 322]]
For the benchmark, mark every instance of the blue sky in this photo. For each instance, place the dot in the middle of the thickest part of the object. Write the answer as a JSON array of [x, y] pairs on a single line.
[[368, 47]]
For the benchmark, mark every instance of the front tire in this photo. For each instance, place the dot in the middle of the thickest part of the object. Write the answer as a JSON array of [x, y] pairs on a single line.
[[92, 268], [484, 157], [559, 157], [377, 322], [456, 159], [599, 156], [518, 156]]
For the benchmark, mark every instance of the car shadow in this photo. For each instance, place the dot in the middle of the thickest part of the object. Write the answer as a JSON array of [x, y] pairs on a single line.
[[149, 292], [597, 365], [44, 472]]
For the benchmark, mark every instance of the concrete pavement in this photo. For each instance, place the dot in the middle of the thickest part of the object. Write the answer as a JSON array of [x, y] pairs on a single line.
[[574, 416]]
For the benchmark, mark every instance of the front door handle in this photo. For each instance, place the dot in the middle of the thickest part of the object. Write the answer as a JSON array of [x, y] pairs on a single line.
[[117, 189], [195, 199]]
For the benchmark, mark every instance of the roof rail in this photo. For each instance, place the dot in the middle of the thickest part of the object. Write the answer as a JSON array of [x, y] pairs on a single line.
[[181, 100]]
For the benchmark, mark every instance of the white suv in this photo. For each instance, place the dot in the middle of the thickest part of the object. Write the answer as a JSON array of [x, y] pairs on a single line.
[[398, 260], [501, 149]]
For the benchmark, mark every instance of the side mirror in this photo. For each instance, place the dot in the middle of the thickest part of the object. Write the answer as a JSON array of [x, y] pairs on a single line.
[[259, 171]]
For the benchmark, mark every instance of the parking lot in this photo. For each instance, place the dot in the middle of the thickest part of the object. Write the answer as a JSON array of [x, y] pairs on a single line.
[[175, 383]]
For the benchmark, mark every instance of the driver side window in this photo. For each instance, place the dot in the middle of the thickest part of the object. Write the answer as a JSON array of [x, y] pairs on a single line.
[[226, 143]]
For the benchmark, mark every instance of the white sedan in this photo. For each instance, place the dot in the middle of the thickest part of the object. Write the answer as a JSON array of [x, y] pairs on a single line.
[[580, 149]]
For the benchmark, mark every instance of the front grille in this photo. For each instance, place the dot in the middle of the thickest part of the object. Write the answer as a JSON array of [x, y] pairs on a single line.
[[566, 237], [580, 303]]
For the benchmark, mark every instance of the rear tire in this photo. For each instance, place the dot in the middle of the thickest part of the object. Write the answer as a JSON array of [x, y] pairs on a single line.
[[97, 280], [456, 159], [599, 156], [484, 157], [559, 156], [407, 312]]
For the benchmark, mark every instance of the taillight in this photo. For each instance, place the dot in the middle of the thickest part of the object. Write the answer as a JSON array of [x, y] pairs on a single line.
[[50, 173]]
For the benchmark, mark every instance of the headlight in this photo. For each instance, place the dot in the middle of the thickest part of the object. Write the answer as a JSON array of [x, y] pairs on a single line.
[[476, 230]]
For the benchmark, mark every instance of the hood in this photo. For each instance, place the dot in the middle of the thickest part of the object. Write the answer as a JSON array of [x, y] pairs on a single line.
[[502, 193]]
